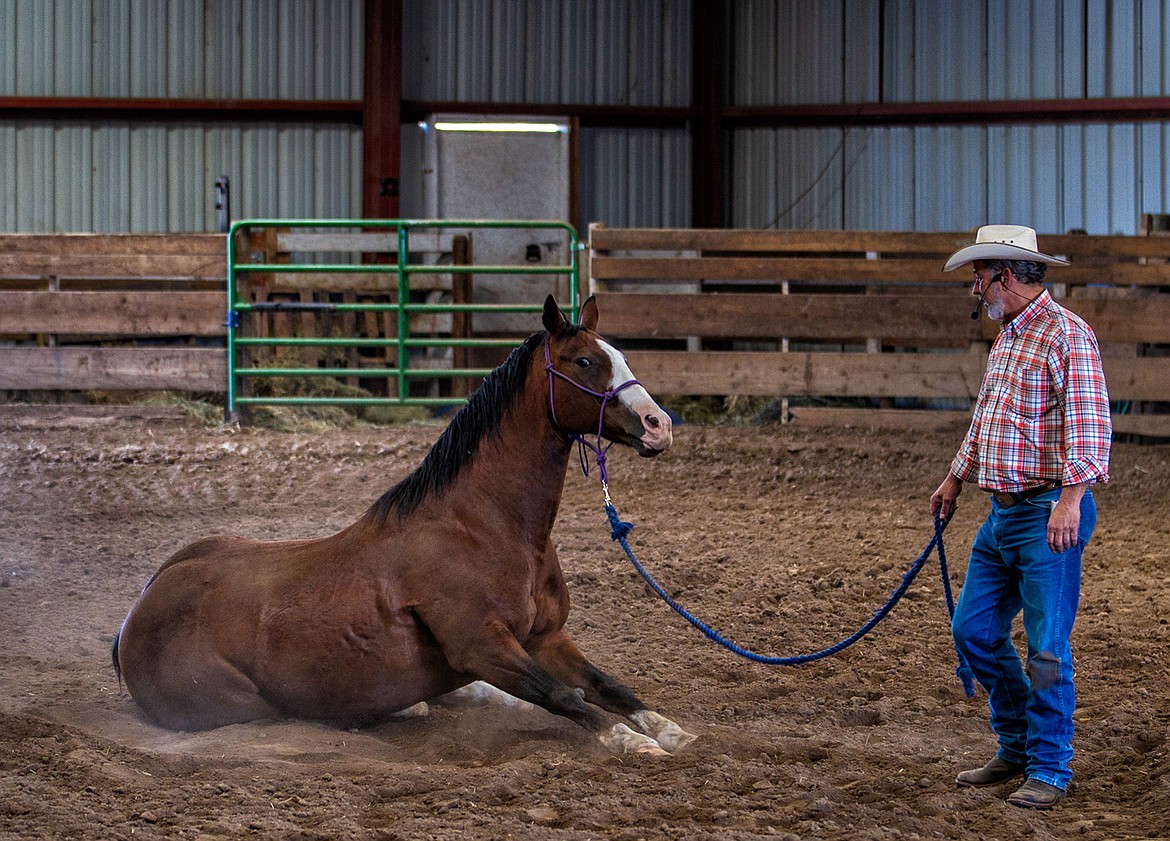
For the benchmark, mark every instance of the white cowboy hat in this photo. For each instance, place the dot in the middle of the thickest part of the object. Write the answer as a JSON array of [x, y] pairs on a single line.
[[1002, 242]]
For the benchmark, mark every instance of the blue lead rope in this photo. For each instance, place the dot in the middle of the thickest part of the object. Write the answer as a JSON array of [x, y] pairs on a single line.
[[621, 530]]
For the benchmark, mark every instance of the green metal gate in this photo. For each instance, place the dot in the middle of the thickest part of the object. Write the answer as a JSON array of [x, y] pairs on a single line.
[[246, 263]]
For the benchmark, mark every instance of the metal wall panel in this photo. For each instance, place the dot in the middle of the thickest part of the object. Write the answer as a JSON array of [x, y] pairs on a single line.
[[879, 180], [103, 176], [949, 58], [1097, 178], [144, 178], [804, 51], [578, 34], [1100, 187], [1032, 50], [34, 164], [112, 197], [788, 179], [110, 75], [1154, 175], [862, 58], [1024, 177], [72, 180], [113, 177], [8, 56], [950, 178], [753, 48], [1118, 58], [638, 178], [610, 52], [8, 180], [1154, 30], [217, 49]]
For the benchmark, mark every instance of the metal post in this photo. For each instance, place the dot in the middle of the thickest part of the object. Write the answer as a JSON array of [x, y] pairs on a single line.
[[223, 204]]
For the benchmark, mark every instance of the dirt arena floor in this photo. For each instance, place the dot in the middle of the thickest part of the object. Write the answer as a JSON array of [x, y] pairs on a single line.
[[786, 538]]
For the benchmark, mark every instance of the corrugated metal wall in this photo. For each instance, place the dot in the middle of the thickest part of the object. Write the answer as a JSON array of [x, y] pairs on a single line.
[[612, 52], [134, 176], [593, 52], [1099, 178]]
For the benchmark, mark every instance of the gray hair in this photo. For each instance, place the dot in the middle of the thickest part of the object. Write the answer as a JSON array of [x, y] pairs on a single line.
[[1026, 270]]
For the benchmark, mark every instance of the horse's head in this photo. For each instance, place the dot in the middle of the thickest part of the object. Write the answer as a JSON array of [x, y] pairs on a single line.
[[588, 376]]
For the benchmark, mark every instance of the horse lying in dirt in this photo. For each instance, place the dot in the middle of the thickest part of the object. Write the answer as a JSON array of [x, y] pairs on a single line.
[[451, 577]]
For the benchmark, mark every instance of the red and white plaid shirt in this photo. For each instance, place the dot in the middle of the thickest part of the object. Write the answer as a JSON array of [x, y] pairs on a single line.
[[1043, 409]]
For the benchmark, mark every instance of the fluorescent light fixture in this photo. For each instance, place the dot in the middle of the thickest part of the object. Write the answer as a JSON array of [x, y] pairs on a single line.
[[521, 128]]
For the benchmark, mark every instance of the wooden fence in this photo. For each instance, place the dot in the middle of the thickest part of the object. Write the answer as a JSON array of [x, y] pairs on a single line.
[[84, 312], [112, 312], [862, 318]]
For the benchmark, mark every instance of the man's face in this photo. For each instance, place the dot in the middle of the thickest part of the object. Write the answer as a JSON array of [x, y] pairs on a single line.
[[988, 286]]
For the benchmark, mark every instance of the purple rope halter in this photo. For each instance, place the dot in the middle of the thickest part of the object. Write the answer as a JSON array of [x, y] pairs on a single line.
[[599, 452]]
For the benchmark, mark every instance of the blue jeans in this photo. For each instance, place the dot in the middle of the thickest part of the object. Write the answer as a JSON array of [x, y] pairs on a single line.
[[1012, 569]]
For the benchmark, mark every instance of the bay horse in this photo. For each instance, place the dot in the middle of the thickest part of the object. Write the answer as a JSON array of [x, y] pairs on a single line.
[[451, 577]]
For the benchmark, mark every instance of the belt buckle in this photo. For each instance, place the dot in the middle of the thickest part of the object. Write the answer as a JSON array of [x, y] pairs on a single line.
[[1006, 499]]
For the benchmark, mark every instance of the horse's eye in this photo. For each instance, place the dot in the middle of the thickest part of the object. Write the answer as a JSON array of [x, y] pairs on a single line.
[[584, 362]]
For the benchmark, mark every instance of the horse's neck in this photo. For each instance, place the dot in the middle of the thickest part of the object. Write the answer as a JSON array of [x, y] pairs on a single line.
[[525, 464]]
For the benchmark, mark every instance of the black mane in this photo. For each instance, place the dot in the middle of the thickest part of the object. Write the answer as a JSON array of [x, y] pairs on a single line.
[[479, 419]]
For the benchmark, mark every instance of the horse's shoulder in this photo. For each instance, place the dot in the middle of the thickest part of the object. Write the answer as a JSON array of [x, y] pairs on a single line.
[[215, 545], [206, 548]]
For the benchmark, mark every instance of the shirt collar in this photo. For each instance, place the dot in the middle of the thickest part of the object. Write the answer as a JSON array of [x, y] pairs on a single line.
[[1017, 325]]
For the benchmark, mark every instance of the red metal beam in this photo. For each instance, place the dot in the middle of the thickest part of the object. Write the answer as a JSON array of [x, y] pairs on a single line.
[[1139, 109], [1030, 111], [163, 110], [335, 111], [382, 110], [590, 116]]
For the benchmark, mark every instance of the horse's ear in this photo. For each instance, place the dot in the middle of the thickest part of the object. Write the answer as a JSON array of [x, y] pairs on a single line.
[[554, 320], [589, 314]]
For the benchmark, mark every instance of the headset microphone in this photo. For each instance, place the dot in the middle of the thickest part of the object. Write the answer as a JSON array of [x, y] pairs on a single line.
[[983, 294]]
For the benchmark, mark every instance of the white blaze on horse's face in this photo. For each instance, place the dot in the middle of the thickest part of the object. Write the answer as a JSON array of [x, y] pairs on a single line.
[[656, 433]]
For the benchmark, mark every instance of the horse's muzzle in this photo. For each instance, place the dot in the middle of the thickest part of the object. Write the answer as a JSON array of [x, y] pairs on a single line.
[[656, 431]]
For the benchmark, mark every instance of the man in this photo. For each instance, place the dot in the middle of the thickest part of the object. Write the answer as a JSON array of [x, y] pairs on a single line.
[[1039, 437]]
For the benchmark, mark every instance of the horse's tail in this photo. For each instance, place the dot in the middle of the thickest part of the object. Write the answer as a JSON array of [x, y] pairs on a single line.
[[114, 658]]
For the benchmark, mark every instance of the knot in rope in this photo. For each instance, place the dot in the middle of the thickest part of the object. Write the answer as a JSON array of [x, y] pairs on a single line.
[[619, 529]]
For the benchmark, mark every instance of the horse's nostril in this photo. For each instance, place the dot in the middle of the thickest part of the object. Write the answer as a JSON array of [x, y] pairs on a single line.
[[652, 421]]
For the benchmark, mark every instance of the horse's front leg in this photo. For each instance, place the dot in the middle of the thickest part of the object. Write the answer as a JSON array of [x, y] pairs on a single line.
[[564, 660], [498, 658]]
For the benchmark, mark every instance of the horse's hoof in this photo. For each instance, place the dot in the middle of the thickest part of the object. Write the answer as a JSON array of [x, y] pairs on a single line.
[[419, 710], [621, 739], [662, 730], [674, 740]]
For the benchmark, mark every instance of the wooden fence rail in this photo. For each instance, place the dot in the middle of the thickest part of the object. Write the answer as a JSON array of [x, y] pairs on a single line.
[[848, 316], [81, 312], [866, 319], [64, 298]]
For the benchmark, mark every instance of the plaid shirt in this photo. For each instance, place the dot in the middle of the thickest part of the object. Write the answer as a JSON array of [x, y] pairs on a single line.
[[1043, 409]]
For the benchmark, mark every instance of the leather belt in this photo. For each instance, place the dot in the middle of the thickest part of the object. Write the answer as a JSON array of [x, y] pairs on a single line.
[[1007, 499]]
